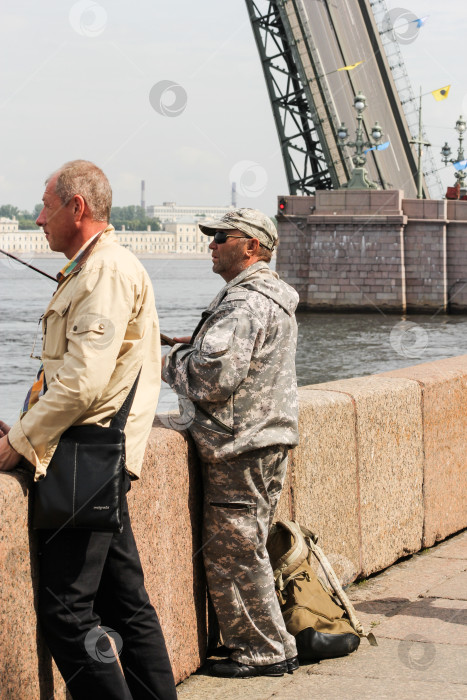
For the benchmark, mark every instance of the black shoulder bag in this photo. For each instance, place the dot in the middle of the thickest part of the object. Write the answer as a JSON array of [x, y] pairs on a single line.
[[83, 487]]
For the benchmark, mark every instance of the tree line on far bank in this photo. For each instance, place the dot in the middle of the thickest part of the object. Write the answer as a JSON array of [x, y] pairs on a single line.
[[132, 217]]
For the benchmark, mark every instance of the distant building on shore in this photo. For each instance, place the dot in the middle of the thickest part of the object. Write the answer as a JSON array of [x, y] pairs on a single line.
[[178, 237], [8, 225], [24, 241], [171, 211]]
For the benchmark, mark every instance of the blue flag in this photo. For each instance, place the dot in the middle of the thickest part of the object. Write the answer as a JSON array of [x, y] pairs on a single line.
[[460, 165], [381, 147], [420, 21]]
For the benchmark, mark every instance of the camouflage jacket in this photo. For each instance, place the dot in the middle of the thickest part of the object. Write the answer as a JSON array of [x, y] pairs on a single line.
[[236, 379]]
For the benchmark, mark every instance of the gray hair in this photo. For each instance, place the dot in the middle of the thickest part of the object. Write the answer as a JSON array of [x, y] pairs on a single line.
[[86, 179], [264, 254]]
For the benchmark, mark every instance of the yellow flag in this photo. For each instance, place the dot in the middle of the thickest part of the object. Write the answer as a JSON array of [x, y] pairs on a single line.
[[354, 65], [441, 94]]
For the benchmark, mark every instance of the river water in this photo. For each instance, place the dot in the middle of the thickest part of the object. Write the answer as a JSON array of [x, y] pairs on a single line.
[[330, 346]]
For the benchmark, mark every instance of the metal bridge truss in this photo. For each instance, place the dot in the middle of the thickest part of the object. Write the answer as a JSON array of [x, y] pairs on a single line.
[[409, 102], [303, 110], [308, 162]]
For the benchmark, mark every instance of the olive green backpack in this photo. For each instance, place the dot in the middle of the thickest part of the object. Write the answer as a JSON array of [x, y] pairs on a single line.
[[322, 621]]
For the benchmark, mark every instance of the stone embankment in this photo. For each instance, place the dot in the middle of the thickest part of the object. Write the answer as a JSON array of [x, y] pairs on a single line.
[[367, 249], [380, 473]]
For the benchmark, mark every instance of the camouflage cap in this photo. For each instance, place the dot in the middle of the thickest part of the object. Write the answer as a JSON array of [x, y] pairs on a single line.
[[252, 222]]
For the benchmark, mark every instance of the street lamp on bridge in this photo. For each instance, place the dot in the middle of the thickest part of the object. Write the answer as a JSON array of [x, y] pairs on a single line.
[[446, 152], [359, 179]]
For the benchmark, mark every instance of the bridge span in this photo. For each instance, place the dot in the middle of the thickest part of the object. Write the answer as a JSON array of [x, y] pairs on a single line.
[[302, 45]]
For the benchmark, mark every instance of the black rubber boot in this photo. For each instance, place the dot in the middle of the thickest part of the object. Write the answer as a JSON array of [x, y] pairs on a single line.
[[292, 664], [233, 669]]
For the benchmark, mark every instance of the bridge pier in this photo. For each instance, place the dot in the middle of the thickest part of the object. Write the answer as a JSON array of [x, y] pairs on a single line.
[[362, 250]]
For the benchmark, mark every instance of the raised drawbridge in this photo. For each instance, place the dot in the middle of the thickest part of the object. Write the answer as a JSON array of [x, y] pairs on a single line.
[[302, 44]]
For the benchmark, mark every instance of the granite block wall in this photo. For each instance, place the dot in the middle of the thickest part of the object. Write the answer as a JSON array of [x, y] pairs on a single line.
[[23, 652], [165, 510], [443, 386], [385, 445], [425, 243], [380, 471], [322, 497], [457, 255], [373, 249], [353, 261]]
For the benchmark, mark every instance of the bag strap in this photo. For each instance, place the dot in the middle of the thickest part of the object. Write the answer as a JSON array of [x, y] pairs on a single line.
[[119, 420], [311, 540], [289, 562], [204, 317]]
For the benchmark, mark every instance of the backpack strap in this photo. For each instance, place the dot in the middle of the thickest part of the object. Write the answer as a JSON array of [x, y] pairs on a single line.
[[311, 541], [293, 558]]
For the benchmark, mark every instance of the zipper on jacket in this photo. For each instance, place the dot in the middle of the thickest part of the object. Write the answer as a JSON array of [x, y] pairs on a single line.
[[234, 506], [214, 419]]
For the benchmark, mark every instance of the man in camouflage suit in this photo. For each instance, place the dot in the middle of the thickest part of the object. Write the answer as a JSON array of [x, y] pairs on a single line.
[[236, 377]]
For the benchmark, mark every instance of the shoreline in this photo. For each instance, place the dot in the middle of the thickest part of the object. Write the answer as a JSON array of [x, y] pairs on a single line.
[[140, 256]]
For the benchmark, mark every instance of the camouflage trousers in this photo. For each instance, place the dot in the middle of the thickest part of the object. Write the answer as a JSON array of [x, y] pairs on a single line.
[[240, 498]]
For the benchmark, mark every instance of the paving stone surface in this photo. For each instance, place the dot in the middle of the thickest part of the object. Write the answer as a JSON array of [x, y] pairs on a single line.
[[454, 588], [353, 688], [409, 659], [436, 619], [418, 612], [383, 596], [454, 548]]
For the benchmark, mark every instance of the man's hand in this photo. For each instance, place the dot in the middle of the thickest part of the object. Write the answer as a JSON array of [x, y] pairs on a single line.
[[9, 458], [185, 339]]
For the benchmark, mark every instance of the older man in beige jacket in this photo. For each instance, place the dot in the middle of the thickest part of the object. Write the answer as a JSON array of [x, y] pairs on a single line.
[[99, 330]]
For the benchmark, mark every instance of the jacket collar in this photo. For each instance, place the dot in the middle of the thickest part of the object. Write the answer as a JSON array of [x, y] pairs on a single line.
[[247, 272], [107, 236], [241, 277], [103, 238]]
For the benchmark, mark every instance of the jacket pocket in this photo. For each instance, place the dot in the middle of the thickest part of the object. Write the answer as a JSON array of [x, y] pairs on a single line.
[[92, 331], [54, 344], [219, 339]]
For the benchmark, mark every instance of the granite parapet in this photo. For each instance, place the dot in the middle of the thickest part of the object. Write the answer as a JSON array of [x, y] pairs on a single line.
[[380, 472]]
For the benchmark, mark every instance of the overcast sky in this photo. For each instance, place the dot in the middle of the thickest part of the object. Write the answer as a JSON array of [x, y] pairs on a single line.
[[76, 83]]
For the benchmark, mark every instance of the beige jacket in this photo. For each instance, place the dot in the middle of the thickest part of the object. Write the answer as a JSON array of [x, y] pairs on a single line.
[[99, 328]]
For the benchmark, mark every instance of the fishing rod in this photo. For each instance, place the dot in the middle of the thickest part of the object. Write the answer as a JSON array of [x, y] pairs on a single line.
[[36, 269], [165, 339]]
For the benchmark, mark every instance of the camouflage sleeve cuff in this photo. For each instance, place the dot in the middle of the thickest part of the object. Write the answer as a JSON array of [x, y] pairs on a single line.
[[177, 353]]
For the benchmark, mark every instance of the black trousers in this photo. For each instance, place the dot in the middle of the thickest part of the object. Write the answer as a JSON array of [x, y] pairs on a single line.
[[91, 586]]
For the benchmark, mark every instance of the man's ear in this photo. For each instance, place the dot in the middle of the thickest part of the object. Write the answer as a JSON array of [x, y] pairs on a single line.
[[252, 247], [79, 207]]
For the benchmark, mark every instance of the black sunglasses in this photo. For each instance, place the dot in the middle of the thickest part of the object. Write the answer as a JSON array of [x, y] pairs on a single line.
[[221, 236]]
